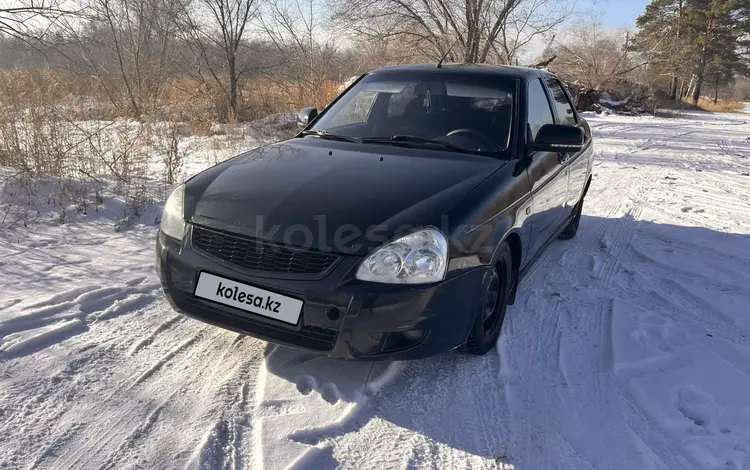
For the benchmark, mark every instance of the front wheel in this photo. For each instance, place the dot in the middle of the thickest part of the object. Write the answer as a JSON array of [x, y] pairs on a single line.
[[495, 296]]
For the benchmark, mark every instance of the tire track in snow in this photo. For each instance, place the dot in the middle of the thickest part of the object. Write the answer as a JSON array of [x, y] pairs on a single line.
[[87, 303], [63, 297], [227, 404], [732, 205], [492, 405], [633, 209], [44, 400], [164, 359], [222, 447], [44, 339], [739, 192], [128, 447], [147, 340], [61, 316], [727, 146], [141, 431], [106, 429], [57, 443]]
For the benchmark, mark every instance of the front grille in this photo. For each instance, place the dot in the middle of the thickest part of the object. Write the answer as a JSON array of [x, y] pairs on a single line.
[[309, 336], [258, 255]]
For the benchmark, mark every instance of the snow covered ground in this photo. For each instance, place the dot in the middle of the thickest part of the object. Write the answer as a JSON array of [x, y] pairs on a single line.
[[627, 348]]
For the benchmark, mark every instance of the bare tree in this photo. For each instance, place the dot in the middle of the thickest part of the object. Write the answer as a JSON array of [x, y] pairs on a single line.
[[481, 29], [296, 28], [595, 57], [31, 18], [126, 44], [221, 25], [531, 20]]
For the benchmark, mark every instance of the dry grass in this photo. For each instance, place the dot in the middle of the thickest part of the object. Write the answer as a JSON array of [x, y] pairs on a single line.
[[57, 155], [721, 106], [179, 99], [64, 142]]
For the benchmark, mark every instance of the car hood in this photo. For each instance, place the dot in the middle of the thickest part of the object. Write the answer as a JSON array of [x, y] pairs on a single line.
[[332, 196]]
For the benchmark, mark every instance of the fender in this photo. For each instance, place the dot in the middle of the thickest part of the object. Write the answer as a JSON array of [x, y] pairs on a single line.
[[496, 210]]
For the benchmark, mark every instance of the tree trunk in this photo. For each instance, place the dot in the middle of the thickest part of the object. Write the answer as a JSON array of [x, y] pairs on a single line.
[[232, 111], [689, 89], [697, 89], [702, 65], [699, 75], [716, 88], [673, 87]]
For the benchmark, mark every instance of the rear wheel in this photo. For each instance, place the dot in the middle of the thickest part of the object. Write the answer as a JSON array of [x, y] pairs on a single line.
[[572, 228], [495, 296]]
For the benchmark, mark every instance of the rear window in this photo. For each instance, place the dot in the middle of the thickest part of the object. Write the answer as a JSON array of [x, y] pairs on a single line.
[[565, 113]]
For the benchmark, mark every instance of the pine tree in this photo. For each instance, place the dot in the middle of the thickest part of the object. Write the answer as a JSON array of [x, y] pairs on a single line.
[[717, 26], [661, 38], [703, 37]]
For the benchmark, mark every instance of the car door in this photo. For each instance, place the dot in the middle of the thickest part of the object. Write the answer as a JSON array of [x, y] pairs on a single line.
[[576, 162], [547, 173]]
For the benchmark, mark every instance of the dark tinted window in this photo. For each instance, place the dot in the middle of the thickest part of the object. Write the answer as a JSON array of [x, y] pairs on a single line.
[[471, 113], [565, 112], [539, 111]]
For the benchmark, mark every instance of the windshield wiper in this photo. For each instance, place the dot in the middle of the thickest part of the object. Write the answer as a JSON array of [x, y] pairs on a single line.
[[328, 135], [412, 139]]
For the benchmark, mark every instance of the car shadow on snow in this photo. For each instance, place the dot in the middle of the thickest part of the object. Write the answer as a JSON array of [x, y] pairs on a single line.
[[523, 396]]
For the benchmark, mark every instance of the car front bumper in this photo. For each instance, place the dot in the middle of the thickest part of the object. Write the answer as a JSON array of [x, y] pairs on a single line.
[[341, 317]]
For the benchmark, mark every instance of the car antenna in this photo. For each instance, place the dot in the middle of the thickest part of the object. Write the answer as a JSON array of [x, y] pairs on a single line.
[[440, 63]]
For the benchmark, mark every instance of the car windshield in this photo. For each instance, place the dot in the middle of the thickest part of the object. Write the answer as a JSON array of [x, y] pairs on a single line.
[[458, 113]]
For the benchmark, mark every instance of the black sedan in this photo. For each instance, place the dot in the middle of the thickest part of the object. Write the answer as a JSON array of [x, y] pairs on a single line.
[[397, 224]]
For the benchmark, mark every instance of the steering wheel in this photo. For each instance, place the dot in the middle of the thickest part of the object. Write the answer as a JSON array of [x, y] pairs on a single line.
[[474, 134]]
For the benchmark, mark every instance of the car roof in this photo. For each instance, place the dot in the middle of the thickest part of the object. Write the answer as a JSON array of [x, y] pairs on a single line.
[[486, 70]]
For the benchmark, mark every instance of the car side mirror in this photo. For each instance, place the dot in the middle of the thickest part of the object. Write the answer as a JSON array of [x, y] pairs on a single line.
[[305, 116], [558, 138]]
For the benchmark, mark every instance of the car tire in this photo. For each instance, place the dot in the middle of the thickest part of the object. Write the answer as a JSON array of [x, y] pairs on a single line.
[[572, 228], [497, 285]]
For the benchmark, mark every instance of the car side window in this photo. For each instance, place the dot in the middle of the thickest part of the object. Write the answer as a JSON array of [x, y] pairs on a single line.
[[539, 111], [356, 110], [565, 112]]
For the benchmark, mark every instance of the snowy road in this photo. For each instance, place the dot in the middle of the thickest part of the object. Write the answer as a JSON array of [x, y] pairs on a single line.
[[627, 348]]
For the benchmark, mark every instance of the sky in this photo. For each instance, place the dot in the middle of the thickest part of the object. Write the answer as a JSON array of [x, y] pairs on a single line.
[[615, 13]]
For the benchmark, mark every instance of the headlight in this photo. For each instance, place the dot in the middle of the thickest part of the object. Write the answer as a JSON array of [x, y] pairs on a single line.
[[418, 258], [172, 219]]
